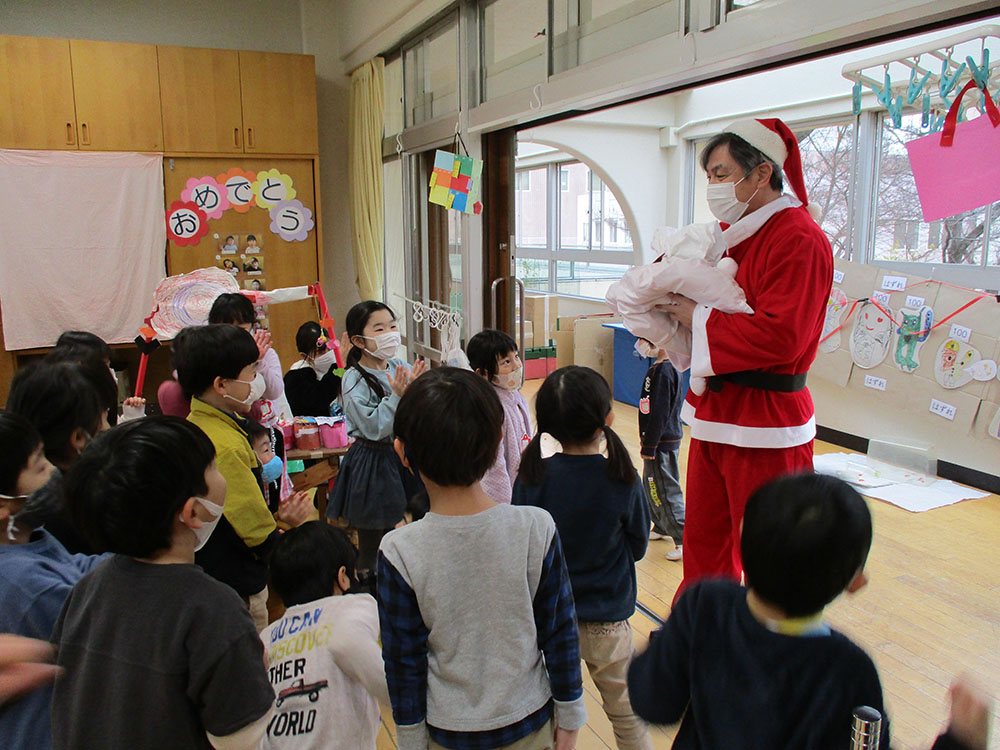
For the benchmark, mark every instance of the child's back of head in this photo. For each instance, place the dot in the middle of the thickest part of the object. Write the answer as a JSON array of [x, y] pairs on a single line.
[[573, 405], [203, 353], [128, 487], [805, 539], [232, 308], [308, 561], [450, 422], [63, 402]]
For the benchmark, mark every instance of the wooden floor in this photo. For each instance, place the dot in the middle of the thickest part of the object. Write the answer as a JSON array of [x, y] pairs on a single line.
[[931, 610]]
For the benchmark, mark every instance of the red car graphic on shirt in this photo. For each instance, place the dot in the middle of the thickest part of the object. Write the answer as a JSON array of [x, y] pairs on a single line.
[[300, 688]]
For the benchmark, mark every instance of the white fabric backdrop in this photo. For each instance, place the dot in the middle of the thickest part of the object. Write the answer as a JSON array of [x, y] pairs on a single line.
[[82, 243]]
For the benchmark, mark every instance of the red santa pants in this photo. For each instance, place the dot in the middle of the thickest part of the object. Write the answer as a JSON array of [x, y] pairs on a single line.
[[720, 480]]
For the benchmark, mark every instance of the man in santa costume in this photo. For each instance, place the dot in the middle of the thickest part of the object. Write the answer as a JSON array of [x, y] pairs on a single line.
[[755, 420]]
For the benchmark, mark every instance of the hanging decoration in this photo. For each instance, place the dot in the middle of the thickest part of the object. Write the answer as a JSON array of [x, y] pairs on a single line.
[[239, 189], [872, 335], [913, 329], [835, 306], [272, 187], [207, 194], [291, 221], [186, 223]]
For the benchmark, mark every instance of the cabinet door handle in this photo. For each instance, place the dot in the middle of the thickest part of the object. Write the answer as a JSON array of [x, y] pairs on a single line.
[[70, 135], [84, 134], [249, 137], [236, 137]]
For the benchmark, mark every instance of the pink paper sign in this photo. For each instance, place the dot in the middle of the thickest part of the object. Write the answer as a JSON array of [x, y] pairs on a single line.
[[959, 177]]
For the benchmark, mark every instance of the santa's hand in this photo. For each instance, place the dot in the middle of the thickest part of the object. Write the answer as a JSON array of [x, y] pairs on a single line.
[[681, 308]]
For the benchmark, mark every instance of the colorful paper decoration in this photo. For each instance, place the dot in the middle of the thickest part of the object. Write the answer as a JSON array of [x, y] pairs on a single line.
[[835, 306], [912, 332], [186, 300], [207, 194], [186, 223], [272, 187], [239, 188], [455, 182], [953, 363], [871, 336], [291, 221]]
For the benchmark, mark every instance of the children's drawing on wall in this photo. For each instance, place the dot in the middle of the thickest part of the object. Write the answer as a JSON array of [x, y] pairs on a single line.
[[253, 246], [255, 285], [954, 362], [228, 264], [835, 307], [912, 332], [253, 266], [229, 245], [872, 336]]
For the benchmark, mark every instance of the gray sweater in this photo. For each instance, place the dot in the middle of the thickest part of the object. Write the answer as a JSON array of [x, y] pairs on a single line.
[[469, 606]]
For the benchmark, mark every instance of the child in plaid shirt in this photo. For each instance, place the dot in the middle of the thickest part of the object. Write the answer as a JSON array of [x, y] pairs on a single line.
[[475, 605]]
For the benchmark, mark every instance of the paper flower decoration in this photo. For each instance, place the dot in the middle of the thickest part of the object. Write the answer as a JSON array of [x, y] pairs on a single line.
[[239, 188], [291, 221], [272, 187], [186, 223], [207, 194]]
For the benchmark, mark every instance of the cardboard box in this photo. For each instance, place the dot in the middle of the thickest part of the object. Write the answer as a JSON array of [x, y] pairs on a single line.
[[542, 310], [594, 346], [529, 333], [564, 348]]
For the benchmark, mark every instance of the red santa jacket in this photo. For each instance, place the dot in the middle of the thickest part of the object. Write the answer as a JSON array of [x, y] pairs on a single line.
[[786, 270]]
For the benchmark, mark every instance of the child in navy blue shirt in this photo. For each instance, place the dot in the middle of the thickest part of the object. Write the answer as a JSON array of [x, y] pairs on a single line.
[[660, 436], [603, 521]]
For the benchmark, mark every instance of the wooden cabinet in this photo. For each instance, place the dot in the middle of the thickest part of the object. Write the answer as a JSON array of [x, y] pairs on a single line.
[[113, 96], [117, 90], [36, 94], [279, 103], [200, 100]]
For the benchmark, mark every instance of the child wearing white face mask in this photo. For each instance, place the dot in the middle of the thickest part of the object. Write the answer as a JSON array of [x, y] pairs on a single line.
[[372, 487], [148, 620], [312, 383], [493, 354], [216, 368]]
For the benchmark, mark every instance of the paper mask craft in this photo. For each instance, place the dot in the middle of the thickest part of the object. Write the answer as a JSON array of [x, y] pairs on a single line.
[[455, 182], [186, 300], [872, 336], [951, 363], [912, 332], [835, 307], [994, 428]]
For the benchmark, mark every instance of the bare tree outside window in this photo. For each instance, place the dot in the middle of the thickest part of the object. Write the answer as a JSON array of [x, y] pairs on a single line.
[[827, 153]]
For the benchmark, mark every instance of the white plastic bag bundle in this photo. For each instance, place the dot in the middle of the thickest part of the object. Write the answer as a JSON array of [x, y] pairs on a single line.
[[691, 267]]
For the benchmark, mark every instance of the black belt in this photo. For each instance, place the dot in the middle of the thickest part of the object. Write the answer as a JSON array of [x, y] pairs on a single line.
[[765, 381]]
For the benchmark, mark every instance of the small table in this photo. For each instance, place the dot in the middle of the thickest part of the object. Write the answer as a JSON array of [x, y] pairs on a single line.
[[318, 475]]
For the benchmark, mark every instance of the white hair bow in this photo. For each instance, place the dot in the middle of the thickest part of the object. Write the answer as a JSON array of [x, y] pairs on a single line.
[[548, 445]]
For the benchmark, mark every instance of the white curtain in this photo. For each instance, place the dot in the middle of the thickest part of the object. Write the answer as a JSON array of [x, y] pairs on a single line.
[[82, 242]]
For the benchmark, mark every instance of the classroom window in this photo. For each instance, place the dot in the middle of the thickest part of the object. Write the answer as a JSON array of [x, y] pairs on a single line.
[[827, 152], [393, 108], [900, 233], [587, 30], [430, 74], [577, 244], [514, 52]]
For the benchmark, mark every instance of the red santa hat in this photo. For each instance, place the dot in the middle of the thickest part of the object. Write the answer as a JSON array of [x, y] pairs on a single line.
[[777, 142]]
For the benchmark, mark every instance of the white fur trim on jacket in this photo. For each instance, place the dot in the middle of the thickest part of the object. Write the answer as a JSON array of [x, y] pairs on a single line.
[[747, 437]]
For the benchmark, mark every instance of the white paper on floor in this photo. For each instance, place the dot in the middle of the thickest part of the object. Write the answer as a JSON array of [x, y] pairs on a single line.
[[909, 490]]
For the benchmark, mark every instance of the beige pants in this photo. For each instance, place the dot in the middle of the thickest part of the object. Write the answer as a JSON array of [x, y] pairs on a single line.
[[542, 739], [258, 609], [607, 648]]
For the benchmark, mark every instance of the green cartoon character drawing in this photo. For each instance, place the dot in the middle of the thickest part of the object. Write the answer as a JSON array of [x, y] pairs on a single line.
[[912, 332]]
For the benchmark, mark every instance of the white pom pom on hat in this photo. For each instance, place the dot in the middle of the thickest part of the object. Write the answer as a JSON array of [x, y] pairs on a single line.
[[775, 140]]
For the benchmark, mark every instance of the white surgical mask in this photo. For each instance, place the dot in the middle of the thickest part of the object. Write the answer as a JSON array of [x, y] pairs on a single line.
[[724, 204], [510, 381], [321, 365], [386, 344], [257, 387], [207, 527]]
